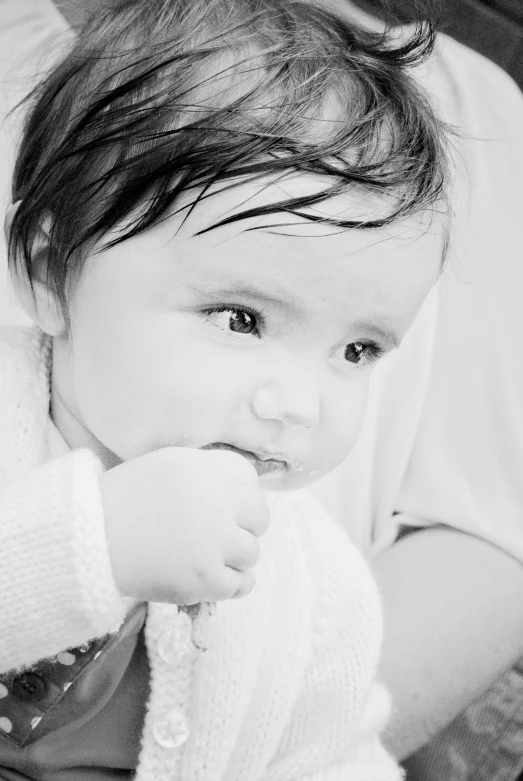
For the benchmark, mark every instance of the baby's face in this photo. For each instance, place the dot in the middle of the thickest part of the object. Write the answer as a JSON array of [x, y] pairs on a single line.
[[260, 341]]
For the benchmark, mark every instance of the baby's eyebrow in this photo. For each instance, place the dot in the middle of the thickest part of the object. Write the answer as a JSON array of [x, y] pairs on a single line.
[[380, 330], [244, 290]]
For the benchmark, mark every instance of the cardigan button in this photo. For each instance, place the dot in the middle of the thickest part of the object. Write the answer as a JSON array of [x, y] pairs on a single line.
[[29, 687], [174, 645], [66, 658], [172, 731], [6, 725]]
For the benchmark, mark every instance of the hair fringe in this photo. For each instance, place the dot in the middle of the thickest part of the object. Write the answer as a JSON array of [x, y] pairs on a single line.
[[161, 97]]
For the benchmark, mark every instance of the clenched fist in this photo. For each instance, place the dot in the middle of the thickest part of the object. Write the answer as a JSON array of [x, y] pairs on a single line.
[[182, 525]]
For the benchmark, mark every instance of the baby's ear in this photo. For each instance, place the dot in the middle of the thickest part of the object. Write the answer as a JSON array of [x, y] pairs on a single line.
[[36, 296]]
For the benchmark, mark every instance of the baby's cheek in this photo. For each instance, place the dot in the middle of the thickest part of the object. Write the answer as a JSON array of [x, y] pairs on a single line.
[[344, 426]]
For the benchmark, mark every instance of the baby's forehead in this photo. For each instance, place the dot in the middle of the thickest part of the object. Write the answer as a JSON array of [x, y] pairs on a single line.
[[303, 276], [208, 234], [199, 211]]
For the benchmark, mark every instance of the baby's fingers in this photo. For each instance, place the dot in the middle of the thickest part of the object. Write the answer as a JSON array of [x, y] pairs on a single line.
[[247, 585], [253, 514], [243, 551], [231, 584]]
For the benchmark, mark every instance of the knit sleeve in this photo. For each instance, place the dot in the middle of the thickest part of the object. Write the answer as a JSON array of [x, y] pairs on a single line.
[[333, 730], [56, 583]]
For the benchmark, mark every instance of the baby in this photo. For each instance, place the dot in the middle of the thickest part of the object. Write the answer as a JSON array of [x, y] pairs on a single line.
[[224, 213]]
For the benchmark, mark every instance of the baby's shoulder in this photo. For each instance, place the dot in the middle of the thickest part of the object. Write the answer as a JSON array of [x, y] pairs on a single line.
[[24, 355]]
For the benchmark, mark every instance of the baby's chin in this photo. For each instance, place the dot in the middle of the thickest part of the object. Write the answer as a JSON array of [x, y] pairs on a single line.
[[274, 474]]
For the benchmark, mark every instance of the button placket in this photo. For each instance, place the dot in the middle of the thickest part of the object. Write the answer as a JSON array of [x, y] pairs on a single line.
[[175, 645], [170, 727]]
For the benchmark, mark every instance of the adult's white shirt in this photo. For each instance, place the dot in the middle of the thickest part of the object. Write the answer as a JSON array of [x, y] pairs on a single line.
[[443, 435]]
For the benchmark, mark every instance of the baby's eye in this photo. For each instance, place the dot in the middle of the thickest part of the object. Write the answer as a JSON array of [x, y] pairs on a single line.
[[238, 321], [359, 352]]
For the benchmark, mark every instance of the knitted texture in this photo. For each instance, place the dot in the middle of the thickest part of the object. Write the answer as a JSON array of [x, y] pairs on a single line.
[[278, 686], [56, 581]]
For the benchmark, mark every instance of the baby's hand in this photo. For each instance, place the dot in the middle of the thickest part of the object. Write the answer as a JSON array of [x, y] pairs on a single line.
[[182, 525]]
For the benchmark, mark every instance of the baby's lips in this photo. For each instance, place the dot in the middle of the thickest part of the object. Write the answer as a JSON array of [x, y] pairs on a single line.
[[264, 467], [269, 467]]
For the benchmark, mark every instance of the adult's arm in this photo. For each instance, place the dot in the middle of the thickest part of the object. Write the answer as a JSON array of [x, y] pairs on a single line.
[[453, 623]]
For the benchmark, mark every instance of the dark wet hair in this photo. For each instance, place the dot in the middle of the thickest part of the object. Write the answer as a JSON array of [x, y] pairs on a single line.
[[160, 96]]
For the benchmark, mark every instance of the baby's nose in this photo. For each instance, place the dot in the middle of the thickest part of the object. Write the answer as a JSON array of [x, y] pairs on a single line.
[[296, 404]]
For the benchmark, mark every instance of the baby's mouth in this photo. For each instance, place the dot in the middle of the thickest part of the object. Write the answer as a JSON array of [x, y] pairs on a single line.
[[265, 466]]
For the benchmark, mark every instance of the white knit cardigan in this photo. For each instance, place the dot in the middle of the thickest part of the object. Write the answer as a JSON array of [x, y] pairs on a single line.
[[278, 686]]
